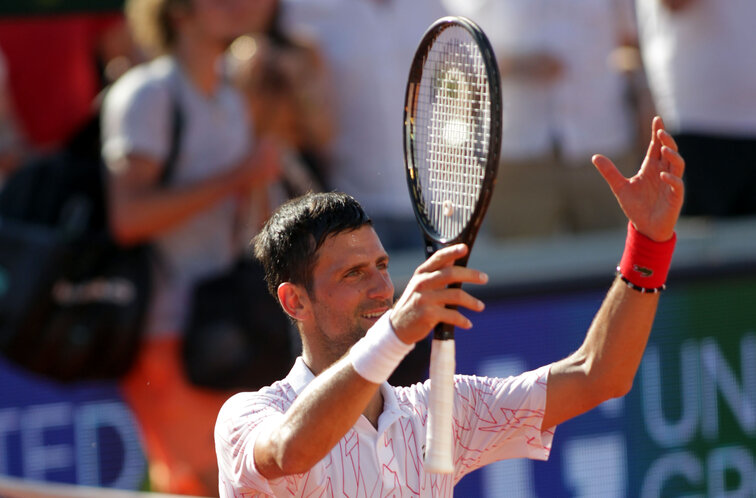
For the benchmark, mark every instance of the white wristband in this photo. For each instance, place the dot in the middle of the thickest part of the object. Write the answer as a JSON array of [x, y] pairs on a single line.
[[376, 355]]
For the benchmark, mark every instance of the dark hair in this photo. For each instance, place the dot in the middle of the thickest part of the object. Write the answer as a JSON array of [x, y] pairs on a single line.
[[287, 245]]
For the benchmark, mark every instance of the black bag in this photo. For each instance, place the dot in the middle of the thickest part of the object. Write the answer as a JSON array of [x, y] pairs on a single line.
[[70, 309], [72, 302], [237, 336]]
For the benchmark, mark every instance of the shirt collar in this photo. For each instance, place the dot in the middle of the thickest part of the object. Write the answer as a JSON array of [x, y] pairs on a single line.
[[301, 375]]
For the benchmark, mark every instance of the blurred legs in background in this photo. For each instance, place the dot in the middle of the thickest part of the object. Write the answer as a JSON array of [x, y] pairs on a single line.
[[177, 420]]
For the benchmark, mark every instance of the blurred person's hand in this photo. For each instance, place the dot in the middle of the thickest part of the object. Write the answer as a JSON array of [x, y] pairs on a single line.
[[261, 168], [677, 5], [543, 67]]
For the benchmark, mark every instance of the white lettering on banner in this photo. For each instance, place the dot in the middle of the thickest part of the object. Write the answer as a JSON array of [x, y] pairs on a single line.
[[704, 373], [708, 386], [89, 418], [717, 376], [38, 457], [8, 424], [681, 464], [720, 463], [595, 465], [732, 458], [613, 407], [666, 433], [506, 477]]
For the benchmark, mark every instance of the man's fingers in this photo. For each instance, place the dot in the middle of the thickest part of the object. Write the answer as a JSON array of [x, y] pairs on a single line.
[[454, 317], [458, 297], [461, 275], [447, 276], [654, 146], [673, 181], [674, 160], [666, 139], [609, 171], [442, 258]]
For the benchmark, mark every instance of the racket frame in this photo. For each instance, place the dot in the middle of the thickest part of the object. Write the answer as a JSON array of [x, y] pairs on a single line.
[[433, 240], [439, 454]]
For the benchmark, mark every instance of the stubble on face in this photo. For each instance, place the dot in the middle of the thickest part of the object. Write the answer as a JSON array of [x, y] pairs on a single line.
[[351, 289], [338, 342]]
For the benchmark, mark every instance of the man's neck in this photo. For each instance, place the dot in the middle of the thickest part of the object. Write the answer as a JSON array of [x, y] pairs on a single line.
[[374, 407], [199, 62]]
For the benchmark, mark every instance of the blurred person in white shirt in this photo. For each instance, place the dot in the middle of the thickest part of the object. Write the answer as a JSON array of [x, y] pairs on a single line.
[[368, 45], [701, 64], [565, 97]]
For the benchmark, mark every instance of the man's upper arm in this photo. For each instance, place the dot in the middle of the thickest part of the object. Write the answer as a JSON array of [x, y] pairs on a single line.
[[568, 393]]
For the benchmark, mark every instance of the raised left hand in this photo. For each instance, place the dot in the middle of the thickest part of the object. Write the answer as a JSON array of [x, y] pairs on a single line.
[[651, 199]]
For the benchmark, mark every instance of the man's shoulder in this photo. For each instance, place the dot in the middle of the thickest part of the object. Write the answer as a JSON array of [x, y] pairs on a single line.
[[412, 399], [278, 396], [143, 81]]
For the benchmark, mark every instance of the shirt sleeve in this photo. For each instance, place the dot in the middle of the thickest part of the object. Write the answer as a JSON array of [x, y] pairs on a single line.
[[136, 116], [496, 419], [242, 418]]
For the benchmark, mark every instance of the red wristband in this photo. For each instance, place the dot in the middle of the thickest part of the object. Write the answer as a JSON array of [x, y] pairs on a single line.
[[645, 262]]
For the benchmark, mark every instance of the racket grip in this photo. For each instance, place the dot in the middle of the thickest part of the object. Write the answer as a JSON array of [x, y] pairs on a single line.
[[439, 452]]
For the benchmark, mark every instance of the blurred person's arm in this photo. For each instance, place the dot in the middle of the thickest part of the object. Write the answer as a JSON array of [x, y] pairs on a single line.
[[140, 208], [677, 5], [314, 87], [626, 59], [542, 67]]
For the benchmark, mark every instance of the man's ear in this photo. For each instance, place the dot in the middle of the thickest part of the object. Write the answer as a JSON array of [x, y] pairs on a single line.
[[294, 300]]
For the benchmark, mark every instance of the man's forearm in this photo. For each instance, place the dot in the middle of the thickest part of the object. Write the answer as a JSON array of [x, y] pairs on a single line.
[[318, 419], [618, 335], [605, 364]]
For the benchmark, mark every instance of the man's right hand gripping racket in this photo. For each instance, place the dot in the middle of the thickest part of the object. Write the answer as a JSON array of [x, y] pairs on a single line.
[[452, 135]]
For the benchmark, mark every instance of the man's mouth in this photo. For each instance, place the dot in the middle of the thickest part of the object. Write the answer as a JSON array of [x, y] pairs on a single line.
[[374, 315]]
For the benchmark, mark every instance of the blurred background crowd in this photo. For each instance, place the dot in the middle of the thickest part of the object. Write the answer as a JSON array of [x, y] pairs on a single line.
[[279, 97]]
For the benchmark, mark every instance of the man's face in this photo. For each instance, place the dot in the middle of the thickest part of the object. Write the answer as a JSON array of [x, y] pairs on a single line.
[[223, 20], [351, 289]]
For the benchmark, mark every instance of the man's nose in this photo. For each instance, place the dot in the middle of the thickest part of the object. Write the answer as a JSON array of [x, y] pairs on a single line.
[[381, 286]]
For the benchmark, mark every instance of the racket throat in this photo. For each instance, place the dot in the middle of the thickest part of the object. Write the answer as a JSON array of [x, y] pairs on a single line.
[[443, 332]]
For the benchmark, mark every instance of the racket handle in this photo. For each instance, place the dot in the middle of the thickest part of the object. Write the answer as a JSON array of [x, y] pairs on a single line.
[[439, 449]]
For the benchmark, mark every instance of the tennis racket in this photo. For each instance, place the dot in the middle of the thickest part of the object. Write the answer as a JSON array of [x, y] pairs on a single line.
[[452, 135]]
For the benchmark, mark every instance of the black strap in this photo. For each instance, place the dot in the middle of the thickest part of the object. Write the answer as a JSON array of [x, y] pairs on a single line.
[[177, 127]]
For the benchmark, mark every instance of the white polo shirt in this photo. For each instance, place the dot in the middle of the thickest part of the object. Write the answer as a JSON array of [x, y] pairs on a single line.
[[494, 419]]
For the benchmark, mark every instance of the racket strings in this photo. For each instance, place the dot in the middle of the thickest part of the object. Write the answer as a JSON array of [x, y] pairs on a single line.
[[453, 114]]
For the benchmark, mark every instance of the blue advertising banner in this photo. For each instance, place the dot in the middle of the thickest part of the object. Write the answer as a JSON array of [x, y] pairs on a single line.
[[80, 434], [687, 428]]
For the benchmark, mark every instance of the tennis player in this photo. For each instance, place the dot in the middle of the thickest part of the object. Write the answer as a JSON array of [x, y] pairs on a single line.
[[335, 427]]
